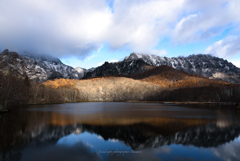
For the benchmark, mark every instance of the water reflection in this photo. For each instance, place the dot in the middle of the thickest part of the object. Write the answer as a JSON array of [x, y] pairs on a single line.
[[51, 152], [122, 131]]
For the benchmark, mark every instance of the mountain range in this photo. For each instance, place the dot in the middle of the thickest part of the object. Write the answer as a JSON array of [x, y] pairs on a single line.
[[42, 67], [204, 65]]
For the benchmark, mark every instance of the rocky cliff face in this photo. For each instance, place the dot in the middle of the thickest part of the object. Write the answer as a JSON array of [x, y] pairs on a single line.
[[38, 68]]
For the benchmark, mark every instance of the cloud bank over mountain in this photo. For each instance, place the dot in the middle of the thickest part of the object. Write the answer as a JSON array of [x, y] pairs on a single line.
[[226, 47], [60, 27]]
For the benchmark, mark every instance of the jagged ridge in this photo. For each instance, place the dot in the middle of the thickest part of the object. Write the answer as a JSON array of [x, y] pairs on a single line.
[[120, 68], [201, 64], [38, 68]]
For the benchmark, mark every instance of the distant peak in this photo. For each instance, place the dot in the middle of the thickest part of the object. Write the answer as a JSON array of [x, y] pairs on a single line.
[[133, 53], [133, 56], [80, 68], [6, 51]]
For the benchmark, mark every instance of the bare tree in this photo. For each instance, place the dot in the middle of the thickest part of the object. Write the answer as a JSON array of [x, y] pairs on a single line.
[[12, 90]]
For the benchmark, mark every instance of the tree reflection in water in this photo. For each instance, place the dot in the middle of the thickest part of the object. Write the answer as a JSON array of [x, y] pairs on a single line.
[[69, 132]]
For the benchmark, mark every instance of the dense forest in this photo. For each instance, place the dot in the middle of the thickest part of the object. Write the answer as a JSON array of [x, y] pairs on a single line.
[[156, 85], [16, 90]]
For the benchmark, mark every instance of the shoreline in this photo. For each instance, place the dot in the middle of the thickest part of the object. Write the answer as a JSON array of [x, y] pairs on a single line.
[[190, 102], [236, 104]]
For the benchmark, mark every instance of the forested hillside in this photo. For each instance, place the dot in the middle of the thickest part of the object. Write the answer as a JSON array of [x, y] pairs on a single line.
[[166, 76], [159, 84]]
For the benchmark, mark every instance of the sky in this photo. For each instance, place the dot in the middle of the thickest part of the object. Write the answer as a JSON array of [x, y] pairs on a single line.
[[86, 33]]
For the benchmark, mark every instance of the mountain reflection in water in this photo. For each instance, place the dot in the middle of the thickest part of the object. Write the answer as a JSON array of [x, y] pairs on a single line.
[[120, 131]]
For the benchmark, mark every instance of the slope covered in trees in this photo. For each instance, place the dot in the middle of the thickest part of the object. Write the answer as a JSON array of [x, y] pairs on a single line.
[[166, 76], [115, 89], [158, 84], [103, 89], [126, 89], [16, 90]]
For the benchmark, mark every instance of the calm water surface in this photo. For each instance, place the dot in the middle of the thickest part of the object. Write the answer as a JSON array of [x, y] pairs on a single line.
[[120, 131]]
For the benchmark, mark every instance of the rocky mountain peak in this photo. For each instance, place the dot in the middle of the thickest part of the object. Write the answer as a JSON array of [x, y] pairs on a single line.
[[133, 56], [201, 64], [80, 70], [37, 67], [6, 51], [119, 68]]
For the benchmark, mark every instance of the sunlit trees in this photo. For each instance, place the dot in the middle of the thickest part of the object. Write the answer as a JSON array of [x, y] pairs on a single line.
[[64, 87]]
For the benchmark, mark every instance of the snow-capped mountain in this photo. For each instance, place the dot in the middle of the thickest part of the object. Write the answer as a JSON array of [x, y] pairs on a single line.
[[81, 72], [201, 64], [205, 65], [38, 68], [42, 68]]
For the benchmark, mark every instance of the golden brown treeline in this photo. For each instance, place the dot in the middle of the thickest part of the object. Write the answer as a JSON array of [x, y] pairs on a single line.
[[125, 89], [105, 89], [158, 84]]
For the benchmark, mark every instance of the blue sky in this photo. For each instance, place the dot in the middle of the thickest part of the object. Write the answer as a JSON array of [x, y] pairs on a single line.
[[86, 33]]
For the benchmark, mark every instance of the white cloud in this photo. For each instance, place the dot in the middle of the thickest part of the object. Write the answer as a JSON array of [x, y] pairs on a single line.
[[235, 62], [226, 47], [100, 137], [113, 61], [89, 145], [60, 27], [54, 27], [99, 64], [205, 19], [113, 140], [140, 24], [158, 52], [228, 151], [89, 57], [182, 33]]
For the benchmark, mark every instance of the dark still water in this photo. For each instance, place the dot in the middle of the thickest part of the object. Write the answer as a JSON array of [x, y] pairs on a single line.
[[120, 131]]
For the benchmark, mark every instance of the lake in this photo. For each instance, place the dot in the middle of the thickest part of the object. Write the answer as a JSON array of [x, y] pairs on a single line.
[[120, 131]]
